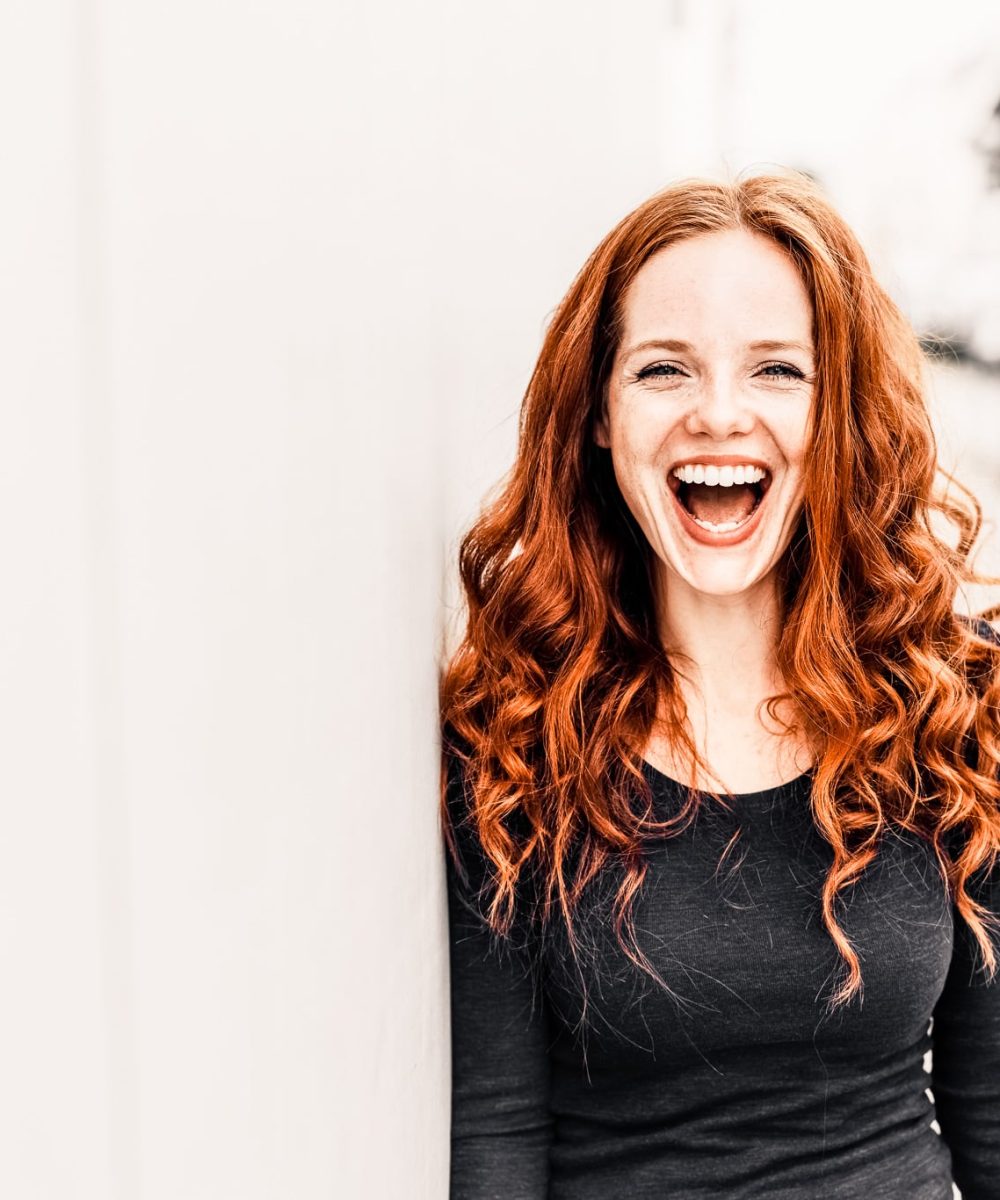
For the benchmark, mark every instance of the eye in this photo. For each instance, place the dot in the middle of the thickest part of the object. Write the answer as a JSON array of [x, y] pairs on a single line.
[[659, 371], [780, 370]]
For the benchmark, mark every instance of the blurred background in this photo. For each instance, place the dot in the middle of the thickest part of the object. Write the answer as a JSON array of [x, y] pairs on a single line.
[[274, 279]]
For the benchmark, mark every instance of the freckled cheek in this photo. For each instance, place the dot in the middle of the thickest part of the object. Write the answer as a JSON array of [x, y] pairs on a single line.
[[636, 447], [792, 441], [641, 466], [644, 440]]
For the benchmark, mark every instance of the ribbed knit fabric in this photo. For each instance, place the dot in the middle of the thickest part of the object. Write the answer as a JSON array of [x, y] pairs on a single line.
[[739, 1083]]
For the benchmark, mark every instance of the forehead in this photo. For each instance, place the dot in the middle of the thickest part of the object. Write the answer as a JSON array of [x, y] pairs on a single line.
[[730, 284]]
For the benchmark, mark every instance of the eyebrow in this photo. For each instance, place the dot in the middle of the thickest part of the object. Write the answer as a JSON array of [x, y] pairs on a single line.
[[680, 347], [766, 345]]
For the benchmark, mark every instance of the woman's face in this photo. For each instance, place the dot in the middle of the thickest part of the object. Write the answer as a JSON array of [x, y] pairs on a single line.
[[708, 408]]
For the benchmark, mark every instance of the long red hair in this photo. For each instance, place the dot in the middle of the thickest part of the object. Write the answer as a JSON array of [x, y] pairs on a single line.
[[560, 678]]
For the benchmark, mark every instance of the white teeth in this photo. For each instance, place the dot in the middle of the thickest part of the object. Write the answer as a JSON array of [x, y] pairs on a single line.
[[719, 476]]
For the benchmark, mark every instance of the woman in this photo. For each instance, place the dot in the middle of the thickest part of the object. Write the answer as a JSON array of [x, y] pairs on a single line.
[[721, 791]]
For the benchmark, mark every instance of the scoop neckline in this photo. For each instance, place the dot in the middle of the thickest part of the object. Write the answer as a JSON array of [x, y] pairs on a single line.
[[799, 782]]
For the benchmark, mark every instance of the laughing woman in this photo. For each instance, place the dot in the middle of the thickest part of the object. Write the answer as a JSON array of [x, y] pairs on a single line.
[[721, 786]]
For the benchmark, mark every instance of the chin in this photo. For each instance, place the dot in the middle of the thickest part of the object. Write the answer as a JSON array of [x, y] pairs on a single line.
[[715, 570], [717, 579]]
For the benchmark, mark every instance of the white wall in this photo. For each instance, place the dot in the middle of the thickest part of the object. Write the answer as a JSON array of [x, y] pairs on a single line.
[[58, 1064], [274, 277]]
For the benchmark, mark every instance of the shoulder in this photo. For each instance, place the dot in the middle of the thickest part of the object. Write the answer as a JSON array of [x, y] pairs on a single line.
[[476, 878], [457, 800], [983, 652], [989, 632], [470, 820]]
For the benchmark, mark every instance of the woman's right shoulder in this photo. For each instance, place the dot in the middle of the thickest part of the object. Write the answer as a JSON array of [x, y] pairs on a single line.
[[457, 756], [471, 870], [461, 834]]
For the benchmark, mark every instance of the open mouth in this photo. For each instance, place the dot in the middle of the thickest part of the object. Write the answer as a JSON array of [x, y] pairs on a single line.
[[720, 500]]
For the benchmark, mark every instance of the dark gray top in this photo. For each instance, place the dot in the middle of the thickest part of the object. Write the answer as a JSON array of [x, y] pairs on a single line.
[[739, 1083]]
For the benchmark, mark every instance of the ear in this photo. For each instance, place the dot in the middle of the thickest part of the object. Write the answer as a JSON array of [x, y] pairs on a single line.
[[602, 435]]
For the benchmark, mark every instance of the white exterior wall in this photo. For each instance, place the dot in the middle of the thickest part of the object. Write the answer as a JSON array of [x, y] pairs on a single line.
[[274, 279]]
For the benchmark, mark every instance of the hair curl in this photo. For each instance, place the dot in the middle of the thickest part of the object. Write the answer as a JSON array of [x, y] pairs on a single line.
[[560, 678]]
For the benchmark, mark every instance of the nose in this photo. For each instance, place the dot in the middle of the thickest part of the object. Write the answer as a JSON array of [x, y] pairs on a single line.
[[719, 409]]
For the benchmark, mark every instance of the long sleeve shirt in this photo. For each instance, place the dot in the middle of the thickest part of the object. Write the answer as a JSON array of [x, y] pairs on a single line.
[[734, 1080]]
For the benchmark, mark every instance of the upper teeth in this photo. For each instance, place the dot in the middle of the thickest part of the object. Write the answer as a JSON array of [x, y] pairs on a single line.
[[721, 476]]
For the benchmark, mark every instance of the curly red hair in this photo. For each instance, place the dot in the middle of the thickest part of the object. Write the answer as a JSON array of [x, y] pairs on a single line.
[[560, 678]]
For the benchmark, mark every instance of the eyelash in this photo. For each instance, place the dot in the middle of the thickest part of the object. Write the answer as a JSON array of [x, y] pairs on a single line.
[[654, 371]]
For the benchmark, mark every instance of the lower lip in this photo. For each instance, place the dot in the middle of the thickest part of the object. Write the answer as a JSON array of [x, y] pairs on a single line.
[[732, 537]]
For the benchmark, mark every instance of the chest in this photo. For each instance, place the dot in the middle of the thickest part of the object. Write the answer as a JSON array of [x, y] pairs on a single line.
[[739, 943], [745, 754]]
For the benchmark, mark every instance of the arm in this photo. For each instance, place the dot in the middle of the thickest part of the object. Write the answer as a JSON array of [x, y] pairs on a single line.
[[500, 1122], [966, 1059]]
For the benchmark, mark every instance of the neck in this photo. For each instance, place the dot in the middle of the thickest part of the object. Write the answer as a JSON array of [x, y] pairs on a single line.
[[723, 646]]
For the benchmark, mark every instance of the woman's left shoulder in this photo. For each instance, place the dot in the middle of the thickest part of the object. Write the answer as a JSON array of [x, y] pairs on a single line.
[[988, 631]]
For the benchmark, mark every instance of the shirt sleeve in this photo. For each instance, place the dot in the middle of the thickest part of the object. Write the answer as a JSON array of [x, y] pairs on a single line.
[[966, 1057], [500, 1121]]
